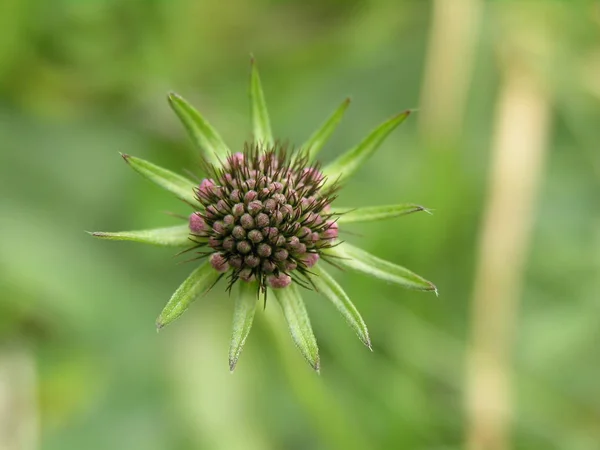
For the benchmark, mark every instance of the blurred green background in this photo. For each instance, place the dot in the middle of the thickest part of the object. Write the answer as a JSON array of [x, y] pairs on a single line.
[[81, 365]]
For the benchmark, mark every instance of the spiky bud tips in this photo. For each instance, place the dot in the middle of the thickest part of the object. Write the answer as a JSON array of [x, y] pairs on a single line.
[[264, 218]]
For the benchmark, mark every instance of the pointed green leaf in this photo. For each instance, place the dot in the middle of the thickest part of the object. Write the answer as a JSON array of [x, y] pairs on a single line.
[[334, 292], [348, 163], [261, 125], [177, 236], [316, 142], [243, 315], [357, 259], [298, 322], [373, 213], [196, 285], [172, 182], [203, 135]]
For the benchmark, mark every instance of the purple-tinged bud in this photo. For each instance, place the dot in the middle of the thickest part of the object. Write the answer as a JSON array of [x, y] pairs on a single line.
[[305, 203], [250, 195], [238, 232], [211, 212], [229, 243], [246, 275], [229, 221], [222, 207], [254, 207], [236, 159], [293, 196], [287, 210], [279, 198], [264, 192], [206, 187], [277, 186], [219, 227], [252, 261], [264, 250], [304, 233], [279, 240], [279, 281], [268, 266], [196, 224], [276, 218], [236, 261], [314, 219], [219, 262], [315, 237], [238, 209], [235, 195], [290, 265], [247, 221], [310, 259], [331, 231], [251, 184], [270, 205], [294, 228], [261, 220], [244, 247], [271, 232], [299, 249], [281, 255], [255, 236], [311, 174], [214, 242]]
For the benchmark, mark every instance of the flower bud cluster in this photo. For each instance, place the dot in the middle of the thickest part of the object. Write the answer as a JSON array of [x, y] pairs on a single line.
[[264, 218]]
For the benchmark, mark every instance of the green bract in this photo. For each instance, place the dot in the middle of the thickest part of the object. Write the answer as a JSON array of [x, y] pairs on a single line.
[[264, 220]]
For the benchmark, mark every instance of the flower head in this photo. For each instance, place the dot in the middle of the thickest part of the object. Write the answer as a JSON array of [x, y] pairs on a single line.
[[263, 219]]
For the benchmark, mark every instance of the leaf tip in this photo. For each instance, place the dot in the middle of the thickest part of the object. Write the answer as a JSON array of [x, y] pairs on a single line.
[[172, 95], [159, 324], [404, 114], [252, 59], [232, 364], [125, 157], [425, 210]]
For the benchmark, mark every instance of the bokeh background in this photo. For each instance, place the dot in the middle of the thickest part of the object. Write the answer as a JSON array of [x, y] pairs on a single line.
[[504, 147]]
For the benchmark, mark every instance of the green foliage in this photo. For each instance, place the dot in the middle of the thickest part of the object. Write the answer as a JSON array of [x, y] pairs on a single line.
[[81, 80]]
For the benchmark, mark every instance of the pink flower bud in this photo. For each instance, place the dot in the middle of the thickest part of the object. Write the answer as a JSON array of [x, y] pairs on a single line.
[[279, 281], [331, 232], [206, 187], [219, 262], [310, 259], [196, 224]]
